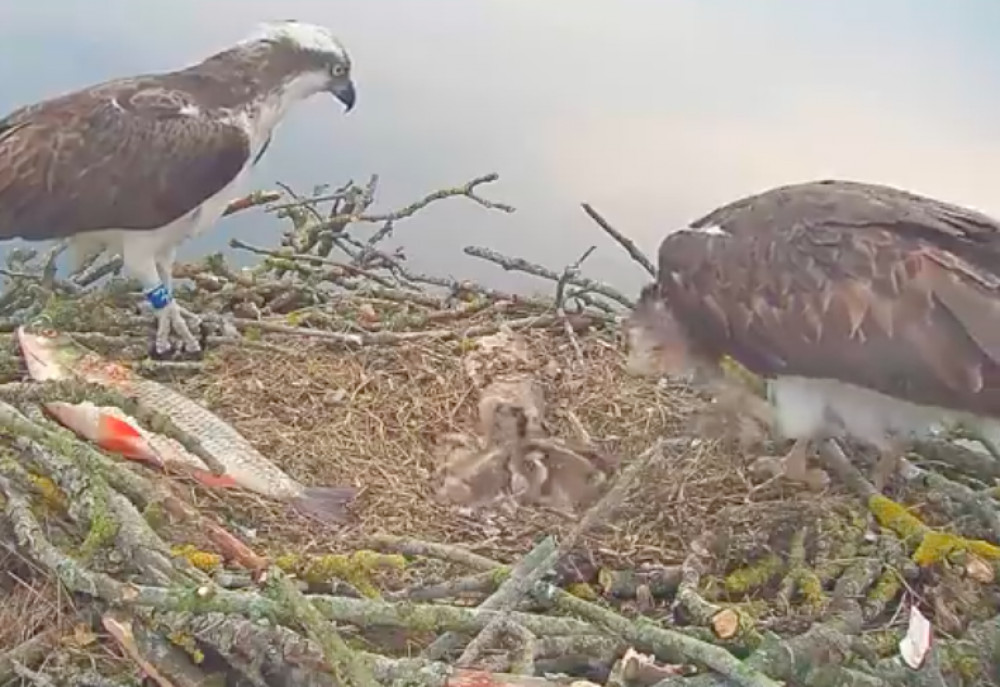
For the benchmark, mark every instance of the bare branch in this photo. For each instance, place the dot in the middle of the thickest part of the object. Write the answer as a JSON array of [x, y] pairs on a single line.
[[627, 243]]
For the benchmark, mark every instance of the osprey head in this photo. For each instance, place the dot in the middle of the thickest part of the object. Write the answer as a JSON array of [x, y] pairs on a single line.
[[657, 343], [320, 48]]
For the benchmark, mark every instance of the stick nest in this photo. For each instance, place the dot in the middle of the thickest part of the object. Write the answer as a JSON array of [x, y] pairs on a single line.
[[353, 369]]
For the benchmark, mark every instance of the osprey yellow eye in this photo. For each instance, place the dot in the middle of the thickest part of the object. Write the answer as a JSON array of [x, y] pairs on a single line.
[[339, 70]]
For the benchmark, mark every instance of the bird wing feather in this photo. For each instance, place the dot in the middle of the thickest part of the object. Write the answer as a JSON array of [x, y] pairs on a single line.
[[789, 290], [124, 155]]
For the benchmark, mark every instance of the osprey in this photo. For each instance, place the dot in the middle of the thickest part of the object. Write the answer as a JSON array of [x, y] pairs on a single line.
[[139, 164], [872, 313]]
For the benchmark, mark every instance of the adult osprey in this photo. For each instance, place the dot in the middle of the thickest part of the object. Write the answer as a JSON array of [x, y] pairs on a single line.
[[873, 313], [139, 164]]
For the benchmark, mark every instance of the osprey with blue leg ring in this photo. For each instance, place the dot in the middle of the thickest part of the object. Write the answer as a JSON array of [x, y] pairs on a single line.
[[163, 154], [159, 297]]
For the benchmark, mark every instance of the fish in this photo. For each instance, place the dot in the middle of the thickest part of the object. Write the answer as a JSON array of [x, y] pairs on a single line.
[[53, 355], [114, 430]]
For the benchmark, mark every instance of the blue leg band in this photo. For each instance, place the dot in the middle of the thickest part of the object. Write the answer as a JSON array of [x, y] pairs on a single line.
[[158, 297]]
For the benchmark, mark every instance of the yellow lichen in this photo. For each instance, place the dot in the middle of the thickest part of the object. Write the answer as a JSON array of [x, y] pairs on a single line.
[[186, 642], [52, 496], [933, 546], [203, 560], [937, 546], [811, 588], [754, 575], [355, 569], [895, 517], [582, 590]]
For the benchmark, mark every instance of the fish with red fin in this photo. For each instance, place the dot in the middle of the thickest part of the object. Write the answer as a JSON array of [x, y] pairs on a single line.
[[53, 355]]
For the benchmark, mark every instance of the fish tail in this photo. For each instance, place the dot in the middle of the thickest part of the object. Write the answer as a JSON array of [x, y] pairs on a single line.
[[328, 504]]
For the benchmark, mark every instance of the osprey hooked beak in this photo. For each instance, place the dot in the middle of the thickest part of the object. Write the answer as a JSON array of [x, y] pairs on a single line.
[[344, 91]]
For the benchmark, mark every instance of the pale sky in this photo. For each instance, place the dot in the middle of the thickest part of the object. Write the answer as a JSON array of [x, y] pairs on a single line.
[[655, 112]]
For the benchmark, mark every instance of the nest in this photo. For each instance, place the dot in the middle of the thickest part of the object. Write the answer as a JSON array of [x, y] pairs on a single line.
[[373, 419], [358, 371]]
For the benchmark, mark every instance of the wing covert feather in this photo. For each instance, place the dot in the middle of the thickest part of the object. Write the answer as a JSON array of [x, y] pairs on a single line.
[[861, 305], [120, 156]]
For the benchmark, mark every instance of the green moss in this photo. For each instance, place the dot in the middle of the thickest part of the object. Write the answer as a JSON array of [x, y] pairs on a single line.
[[103, 527], [964, 661], [757, 574], [355, 569], [811, 588], [417, 619], [883, 643], [155, 515], [500, 574], [885, 588]]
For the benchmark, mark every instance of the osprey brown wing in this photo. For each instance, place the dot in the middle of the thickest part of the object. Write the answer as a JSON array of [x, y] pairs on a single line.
[[858, 302], [850, 204], [125, 155]]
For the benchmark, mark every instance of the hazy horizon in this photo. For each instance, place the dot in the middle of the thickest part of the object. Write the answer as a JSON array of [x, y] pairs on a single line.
[[655, 113]]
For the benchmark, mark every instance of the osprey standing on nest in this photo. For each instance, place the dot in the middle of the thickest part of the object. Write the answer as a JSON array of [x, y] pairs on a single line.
[[873, 313], [140, 164]]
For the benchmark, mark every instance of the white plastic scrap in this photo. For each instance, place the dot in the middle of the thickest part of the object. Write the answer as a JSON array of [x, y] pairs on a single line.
[[917, 642]]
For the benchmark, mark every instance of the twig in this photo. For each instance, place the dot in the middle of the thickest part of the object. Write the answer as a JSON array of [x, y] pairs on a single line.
[[627, 243], [305, 257], [27, 653], [348, 668], [410, 546], [571, 271], [726, 623], [37, 679], [467, 190], [507, 595], [254, 199], [522, 265]]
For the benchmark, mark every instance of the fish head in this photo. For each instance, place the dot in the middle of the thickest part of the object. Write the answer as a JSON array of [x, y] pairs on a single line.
[[48, 354]]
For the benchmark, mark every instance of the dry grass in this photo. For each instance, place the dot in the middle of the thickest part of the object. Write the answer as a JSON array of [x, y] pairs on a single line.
[[371, 419]]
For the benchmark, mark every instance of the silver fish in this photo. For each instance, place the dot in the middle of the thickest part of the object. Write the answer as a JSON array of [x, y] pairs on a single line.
[[52, 355]]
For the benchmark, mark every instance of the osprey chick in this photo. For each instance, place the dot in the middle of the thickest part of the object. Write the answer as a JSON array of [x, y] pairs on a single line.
[[873, 313], [138, 165]]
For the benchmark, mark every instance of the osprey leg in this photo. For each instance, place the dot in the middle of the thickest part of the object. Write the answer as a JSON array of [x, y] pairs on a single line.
[[145, 268], [164, 267], [793, 466], [887, 464]]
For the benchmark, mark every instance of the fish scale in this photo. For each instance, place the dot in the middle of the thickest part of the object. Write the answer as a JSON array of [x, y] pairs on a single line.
[[52, 355], [216, 436]]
